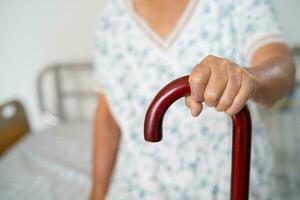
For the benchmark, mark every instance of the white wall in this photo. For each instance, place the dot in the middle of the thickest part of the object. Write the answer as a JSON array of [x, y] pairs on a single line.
[[34, 33], [289, 17]]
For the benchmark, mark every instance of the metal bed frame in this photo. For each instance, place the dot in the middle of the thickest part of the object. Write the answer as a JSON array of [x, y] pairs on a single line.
[[74, 70]]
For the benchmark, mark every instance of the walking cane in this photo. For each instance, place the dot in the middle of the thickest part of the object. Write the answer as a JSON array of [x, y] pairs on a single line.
[[241, 144]]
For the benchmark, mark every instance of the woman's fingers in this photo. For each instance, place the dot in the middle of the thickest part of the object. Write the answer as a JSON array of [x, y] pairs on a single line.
[[198, 80], [231, 90], [194, 106], [245, 93], [220, 84], [217, 82]]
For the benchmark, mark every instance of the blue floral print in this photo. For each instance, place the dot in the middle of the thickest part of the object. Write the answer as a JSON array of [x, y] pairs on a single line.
[[132, 64]]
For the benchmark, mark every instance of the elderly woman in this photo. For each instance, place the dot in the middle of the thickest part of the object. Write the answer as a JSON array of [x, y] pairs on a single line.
[[234, 52]]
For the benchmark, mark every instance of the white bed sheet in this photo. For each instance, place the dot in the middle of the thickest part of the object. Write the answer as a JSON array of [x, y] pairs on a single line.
[[50, 165]]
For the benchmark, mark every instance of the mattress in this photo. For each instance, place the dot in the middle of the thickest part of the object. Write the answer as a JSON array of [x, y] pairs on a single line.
[[54, 164]]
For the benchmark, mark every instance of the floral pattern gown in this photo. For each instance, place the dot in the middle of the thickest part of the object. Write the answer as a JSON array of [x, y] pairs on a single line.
[[132, 63]]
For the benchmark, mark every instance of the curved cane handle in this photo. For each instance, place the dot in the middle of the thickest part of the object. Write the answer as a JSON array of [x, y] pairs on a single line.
[[241, 144]]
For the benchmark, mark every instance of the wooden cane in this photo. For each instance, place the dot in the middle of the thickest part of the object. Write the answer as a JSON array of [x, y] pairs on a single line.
[[241, 144]]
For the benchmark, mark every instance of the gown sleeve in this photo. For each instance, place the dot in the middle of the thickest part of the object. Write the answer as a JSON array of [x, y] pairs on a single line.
[[256, 26]]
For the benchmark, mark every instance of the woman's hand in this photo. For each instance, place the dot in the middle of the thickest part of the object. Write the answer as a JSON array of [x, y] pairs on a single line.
[[220, 84]]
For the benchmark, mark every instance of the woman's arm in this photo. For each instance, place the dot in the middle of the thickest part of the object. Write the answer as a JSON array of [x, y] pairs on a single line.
[[227, 86], [106, 142], [275, 72]]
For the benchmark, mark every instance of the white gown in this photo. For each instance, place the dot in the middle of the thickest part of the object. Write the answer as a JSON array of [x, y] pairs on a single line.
[[132, 63]]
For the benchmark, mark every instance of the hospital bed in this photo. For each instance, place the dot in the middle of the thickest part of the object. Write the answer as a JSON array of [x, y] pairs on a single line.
[[55, 163]]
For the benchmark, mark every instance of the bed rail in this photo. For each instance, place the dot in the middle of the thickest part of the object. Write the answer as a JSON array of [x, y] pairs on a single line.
[[70, 83]]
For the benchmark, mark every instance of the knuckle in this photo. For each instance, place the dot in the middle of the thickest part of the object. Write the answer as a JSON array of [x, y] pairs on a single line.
[[220, 109], [194, 78], [197, 66], [237, 69], [211, 97], [229, 112], [227, 62], [225, 102], [210, 58], [222, 78], [234, 82]]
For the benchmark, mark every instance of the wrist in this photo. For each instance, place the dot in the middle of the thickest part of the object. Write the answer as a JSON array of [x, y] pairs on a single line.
[[257, 88]]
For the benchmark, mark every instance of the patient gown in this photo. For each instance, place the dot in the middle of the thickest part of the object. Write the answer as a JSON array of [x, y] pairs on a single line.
[[132, 63]]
